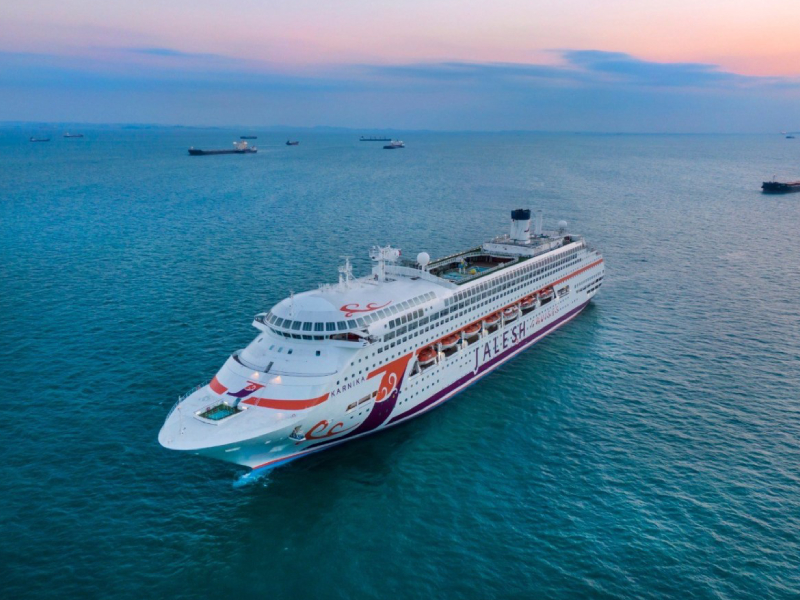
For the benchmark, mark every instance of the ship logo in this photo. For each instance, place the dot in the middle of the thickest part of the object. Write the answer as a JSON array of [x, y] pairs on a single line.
[[350, 309], [251, 387]]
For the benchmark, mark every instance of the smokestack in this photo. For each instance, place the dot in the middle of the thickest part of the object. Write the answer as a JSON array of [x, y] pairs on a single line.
[[538, 229], [521, 225]]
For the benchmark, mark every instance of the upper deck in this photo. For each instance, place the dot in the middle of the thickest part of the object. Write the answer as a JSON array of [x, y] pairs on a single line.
[[358, 308]]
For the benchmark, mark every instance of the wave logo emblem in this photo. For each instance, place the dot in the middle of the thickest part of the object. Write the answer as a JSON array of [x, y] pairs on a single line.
[[350, 309]]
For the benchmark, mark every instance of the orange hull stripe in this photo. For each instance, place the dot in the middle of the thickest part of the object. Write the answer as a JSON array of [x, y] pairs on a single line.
[[217, 386], [286, 404]]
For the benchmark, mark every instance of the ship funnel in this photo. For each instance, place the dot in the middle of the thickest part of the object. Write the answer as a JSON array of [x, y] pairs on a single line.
[[537, 231], [521, 225]]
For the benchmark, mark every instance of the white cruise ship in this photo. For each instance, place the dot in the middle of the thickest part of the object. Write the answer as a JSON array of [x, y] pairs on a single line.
[[352, 358]]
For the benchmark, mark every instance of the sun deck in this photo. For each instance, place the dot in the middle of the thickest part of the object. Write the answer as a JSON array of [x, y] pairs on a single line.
[[470, 265]]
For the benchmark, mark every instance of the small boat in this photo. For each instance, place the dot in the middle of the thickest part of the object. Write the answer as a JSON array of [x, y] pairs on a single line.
[[35, 139], [789, 137], [73, 135], [291, 143], [395, 145], [450, 341], [248, 137], [492, 319], [528, 302], [238, 148], [780, 187], [374, 138], [511, 313], [472, 330], [427, 356]]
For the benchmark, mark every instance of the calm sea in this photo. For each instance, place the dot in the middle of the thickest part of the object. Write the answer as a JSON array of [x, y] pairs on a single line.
[[649, 449]]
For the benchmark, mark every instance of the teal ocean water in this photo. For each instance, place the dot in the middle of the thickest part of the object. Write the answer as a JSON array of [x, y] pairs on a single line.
[[648, 449]]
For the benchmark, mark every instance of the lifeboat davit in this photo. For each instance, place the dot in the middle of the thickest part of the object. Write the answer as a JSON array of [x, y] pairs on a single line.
[[427, 356], [492, 319], [511, 313], [472, 330], [450, 341]]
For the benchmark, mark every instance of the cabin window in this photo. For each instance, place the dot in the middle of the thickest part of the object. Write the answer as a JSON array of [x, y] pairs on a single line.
[[319, 327], [330, 326], [317, 353], [296, 326], [306, 326], [351, 324], [341, 325]]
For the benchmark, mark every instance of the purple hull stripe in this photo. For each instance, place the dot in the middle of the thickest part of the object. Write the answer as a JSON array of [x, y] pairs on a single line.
[[487, 365], [375, 419]]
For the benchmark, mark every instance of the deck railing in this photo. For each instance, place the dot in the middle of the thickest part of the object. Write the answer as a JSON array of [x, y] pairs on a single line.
[[186, 395]]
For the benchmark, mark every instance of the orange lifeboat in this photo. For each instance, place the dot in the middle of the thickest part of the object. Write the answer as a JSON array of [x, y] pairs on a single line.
[[492, 319], [528, 302], [546, 293], [472, 330], [427, 356], [450, 341], [511, 313]]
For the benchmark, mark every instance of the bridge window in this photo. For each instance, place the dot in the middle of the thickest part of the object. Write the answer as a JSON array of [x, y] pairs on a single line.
[[330, 326]]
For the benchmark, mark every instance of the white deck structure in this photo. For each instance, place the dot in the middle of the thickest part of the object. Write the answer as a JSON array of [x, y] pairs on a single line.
[[352, 358]]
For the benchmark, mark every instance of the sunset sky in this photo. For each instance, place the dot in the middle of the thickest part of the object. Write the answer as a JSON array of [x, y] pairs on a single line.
[[619, 65]]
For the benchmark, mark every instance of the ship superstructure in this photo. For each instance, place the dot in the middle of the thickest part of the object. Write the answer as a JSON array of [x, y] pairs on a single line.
[[352, 358]]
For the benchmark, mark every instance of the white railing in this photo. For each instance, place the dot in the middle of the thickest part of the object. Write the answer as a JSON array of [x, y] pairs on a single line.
[[186, 395]]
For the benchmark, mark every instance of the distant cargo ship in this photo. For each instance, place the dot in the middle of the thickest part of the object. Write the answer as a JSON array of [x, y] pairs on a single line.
[[291, 143], [780, 187], [395, 145], [374, 138], [73, 135], [238, 148], [248, 137]]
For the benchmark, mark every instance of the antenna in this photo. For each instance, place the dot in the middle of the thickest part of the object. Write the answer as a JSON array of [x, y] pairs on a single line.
[[537, 231], [346, 272]]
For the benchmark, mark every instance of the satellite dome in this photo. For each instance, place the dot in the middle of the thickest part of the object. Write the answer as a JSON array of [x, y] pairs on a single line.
[[562, 225], [423, 258]]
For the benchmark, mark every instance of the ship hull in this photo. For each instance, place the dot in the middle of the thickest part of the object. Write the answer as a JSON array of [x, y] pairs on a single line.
[[777, 187], [456, 373], [194, 152]]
